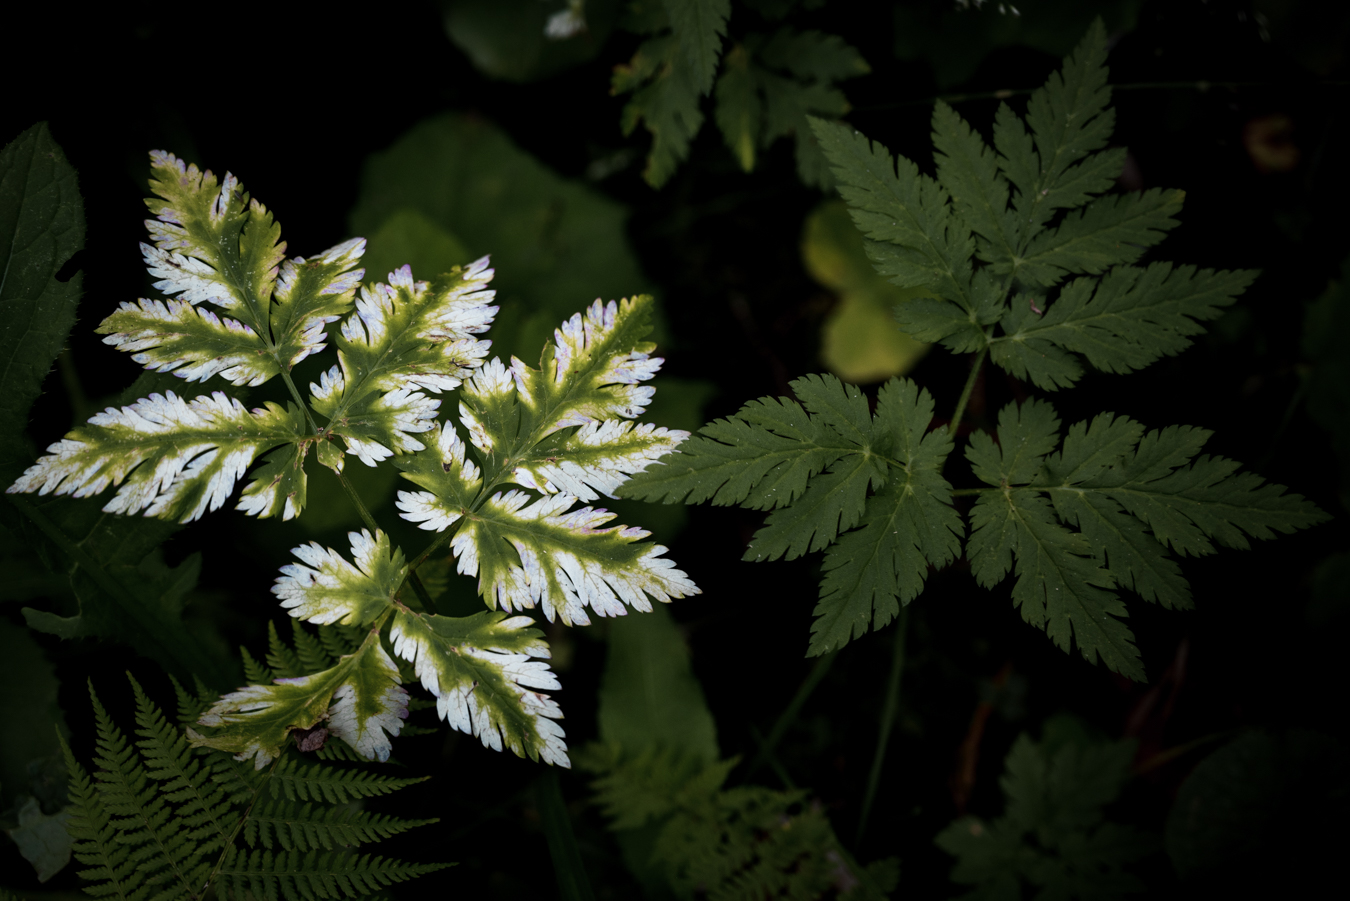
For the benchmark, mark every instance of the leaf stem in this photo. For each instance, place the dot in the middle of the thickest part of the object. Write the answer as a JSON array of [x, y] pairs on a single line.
[[785, 719], [412, 578], [295, 394], [888, 709], [975, 367]]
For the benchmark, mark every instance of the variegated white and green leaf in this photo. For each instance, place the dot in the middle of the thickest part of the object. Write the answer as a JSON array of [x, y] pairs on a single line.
[[404, 338], [480, 670], [172, 458], [565, 561], [211, 242], [256, 721], [598, 457], [310, 293], [328, 589], [597, 365], [191, 342], [452, 481]]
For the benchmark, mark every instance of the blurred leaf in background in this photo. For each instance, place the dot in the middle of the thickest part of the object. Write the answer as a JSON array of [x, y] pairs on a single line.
[[861, 341], [527, 40], [1054, 836], [955, 38], [456, 186]]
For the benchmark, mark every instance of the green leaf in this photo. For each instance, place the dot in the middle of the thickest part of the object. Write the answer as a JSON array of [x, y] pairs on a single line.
[[740, 111], [649, 696], [330, 590], [404, 338], [968, 169], [760, 458], [1127, 320], [1054, 838], [1110, 231], [41, 228], [908, 525], [1131, 495], [699, 26], [366, 700], [172, 458], [665, 100], [1070, 122], [480, 671], [452, 482], [191, 342], [42, 839], [455, 188]]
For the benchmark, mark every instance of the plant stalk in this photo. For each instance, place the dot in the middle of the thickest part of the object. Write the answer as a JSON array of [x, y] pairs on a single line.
[[888, 710]]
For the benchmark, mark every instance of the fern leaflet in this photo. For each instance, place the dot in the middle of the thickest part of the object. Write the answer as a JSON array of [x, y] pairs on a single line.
[[160, 820]]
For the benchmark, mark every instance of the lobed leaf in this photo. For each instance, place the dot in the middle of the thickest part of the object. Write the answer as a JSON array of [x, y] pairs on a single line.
[[331, 590], [699, 26], [366, 700], [1131, 495], [1127, 320], [403, 338], [172, 458], [565, 561], [480, 671], [665, 100]]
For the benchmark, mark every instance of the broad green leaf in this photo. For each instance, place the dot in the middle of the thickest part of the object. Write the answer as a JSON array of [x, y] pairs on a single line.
[[480, 671], [1128, 319], [32, 713], [41, 228], [699, 26], [172, 458], [404, 338], [648, 695], [455, 188], [331, 590], [360, 698], [908, 525], [42, 838], [563, 559]]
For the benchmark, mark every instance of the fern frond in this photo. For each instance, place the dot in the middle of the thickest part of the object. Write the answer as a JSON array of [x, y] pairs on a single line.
[[331, 874], [1130, 495], [297, 781], [306, 827], [171, 822]]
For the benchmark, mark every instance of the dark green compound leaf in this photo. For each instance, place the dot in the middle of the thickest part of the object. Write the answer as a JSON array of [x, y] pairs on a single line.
[[908, 526], [665, 100], [1127, 320], [815, 463], [699, 26], [41, 228], [1130, 496], [1053, 840]]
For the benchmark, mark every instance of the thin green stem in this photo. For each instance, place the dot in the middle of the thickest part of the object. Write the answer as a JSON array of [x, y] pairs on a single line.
[[888, 710], [412, 578], [964, 399], [295, 395], [767, 755], [971, 492], [789, 714]]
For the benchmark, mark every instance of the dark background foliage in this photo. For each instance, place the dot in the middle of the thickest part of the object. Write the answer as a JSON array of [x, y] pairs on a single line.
[[292, 99]]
